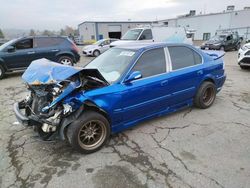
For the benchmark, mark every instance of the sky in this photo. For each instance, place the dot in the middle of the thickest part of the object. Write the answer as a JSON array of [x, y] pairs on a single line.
[[56, 14]]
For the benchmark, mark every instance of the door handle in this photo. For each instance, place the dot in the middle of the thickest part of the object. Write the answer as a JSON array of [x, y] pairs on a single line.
[[165, 82], [200, 72], [54, 50], [31, 52]]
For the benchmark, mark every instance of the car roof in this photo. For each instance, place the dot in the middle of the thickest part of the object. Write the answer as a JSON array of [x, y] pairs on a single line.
[[144, 46]]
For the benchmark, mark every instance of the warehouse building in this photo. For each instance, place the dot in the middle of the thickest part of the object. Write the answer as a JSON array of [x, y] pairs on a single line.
[[90, 31], [204, 26]]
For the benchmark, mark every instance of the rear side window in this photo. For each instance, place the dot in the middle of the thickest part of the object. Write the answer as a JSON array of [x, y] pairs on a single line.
[[182, 57], [146, 35], [24, 44], [151, 63], [47, 42]]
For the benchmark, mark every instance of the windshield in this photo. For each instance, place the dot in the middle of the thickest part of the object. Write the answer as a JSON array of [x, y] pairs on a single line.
[[218, 38], [112, 63], [99, 42], [7, 44], [132, 34]]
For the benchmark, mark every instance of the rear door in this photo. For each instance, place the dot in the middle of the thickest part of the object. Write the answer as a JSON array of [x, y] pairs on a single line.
[[149, 94], [186, 72], [22, 56], [47, 47]]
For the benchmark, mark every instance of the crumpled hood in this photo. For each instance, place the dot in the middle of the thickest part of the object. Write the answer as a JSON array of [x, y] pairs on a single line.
[[44, 71]]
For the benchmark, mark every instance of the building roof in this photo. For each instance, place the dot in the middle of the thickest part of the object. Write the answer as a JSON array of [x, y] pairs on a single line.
[[200, 15], [115, 22]]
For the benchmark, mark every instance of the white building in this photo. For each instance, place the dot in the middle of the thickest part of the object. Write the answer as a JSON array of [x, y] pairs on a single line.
[[206, 25], [90, 31]]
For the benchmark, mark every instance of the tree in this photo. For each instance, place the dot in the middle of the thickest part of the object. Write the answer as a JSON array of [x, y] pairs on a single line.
[[62, 32], [47, 33], [1, 34], [32, 32]]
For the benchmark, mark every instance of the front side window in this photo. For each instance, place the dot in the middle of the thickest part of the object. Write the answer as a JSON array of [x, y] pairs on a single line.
[[182, 57], [24, 44], [146, 35], [151, 63], [112, 63]]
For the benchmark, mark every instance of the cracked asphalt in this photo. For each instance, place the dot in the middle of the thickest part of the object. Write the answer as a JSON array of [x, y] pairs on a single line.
[[190, 148]]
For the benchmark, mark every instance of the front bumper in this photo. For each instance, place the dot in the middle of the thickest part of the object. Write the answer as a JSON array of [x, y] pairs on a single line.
[[23, 119], [243, 58], [210, 47], [86, 52]]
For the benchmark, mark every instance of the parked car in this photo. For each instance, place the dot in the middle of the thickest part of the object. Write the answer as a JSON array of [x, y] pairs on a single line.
[[154, 34], [2, 41], [98, 47], [17, 54], [117, 90], [223, 42], [244, 56]]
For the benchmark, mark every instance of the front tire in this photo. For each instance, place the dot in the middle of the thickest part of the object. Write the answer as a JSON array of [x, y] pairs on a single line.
[[244, 67], [96, 53], [222, 48], [66, 60], [89, 133], [205, 96], [2, 72]]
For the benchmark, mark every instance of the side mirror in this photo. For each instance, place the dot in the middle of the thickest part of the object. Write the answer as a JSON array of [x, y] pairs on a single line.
[[133, 76], [10, 49]]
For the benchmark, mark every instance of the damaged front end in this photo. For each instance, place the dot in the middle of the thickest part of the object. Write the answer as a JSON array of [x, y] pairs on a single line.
[[51, 104]]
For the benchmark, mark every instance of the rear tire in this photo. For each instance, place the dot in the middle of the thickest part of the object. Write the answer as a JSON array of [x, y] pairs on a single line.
[[89, 133], [205, 96], [2, 72], [66, 60]]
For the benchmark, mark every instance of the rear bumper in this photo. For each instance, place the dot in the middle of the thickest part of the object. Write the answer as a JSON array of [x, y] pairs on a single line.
[[220, 82]]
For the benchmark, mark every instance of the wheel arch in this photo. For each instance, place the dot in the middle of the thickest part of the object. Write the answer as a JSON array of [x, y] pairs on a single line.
[[87, 105], [2, 63], [60, 54], [208, 78]]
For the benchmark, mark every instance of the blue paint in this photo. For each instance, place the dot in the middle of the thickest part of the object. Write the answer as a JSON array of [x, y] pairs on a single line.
[[126, 104]]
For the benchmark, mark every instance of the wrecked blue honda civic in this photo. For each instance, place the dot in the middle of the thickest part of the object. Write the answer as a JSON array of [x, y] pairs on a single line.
[[117, 90]]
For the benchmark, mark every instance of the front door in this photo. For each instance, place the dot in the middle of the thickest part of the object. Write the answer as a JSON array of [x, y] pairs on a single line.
[[22, 56], [146, 96]]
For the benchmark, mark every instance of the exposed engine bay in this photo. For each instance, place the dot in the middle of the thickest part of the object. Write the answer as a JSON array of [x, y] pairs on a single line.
[[50, 100]]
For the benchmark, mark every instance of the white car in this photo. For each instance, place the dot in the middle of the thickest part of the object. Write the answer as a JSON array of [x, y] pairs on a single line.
[[98, 47], [244, 56]]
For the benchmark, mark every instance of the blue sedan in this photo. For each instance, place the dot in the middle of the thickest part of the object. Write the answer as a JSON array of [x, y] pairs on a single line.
[[117, 90]]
